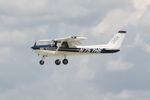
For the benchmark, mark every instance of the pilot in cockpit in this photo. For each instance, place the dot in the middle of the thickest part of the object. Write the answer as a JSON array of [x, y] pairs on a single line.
[[54, 44]]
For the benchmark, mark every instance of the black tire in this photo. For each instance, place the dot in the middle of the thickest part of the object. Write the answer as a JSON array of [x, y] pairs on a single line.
[[41, 62], [57, 62], [65, 61]]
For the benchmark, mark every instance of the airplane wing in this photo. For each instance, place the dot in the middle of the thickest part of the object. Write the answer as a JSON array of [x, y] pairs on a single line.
[[72, 41], [45, 41]]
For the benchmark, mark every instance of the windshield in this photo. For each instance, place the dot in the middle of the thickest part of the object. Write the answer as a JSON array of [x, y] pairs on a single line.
[[45, 44]]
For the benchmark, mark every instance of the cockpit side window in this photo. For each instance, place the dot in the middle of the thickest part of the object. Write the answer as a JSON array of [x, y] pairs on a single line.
[[65, 45]]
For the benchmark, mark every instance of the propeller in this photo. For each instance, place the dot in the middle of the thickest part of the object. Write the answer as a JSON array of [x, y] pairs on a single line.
[[33, 46]]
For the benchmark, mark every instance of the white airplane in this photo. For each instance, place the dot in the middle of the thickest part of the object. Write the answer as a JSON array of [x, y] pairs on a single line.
[[70, 46]]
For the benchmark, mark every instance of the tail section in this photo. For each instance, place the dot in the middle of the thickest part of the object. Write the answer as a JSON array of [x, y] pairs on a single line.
[[117, 40]]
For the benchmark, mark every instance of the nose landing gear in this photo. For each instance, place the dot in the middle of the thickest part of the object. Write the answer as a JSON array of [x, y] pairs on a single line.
[[41, 62]]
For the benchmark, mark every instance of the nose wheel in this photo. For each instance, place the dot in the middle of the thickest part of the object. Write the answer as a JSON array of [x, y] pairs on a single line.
[[41, 62]]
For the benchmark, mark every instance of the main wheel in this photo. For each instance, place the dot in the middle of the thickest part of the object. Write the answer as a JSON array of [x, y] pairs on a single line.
[[41, 62], [57, 62], [65, 61]]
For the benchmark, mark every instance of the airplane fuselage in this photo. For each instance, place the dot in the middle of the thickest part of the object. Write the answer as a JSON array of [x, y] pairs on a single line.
[[81, 50]]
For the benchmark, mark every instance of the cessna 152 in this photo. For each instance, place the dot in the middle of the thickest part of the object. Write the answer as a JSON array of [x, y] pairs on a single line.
[[70, 46]]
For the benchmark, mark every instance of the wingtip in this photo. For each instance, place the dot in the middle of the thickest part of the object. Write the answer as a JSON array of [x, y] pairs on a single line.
[[122, 31]]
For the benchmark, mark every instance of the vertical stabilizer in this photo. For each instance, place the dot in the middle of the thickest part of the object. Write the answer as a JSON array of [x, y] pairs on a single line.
[[117, 40]]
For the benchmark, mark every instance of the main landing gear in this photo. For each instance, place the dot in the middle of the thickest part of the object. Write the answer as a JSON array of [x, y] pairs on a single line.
[[57, 62], [64, 61]]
